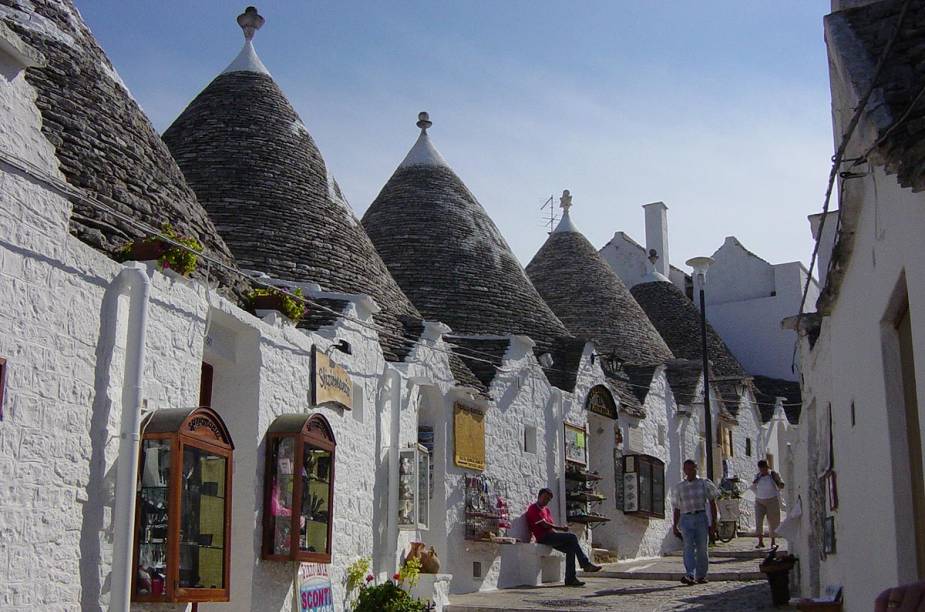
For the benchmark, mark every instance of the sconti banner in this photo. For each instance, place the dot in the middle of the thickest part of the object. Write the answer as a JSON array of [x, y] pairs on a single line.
[[332, 384]]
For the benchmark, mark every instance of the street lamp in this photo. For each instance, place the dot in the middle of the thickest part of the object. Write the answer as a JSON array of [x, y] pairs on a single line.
[[700, 266]]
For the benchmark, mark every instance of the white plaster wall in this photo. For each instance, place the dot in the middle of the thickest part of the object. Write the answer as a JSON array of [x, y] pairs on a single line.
[[848, 365], [747, 299], [738, 274], [628, 259]]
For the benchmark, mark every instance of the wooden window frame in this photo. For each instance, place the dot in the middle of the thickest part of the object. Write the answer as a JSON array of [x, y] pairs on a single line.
[[652, 463], [201, 428], [316, 432]]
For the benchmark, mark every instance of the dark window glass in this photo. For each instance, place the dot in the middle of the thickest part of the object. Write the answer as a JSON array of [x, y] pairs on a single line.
[[281, 495], [316, 471], [153, 502], [202, 519]]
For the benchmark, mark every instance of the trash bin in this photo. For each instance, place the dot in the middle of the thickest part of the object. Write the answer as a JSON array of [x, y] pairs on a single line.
[[777, 569]]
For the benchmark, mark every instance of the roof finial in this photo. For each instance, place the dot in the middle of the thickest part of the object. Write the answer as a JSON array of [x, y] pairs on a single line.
[[250, 21], [565, 202], [424, 121]]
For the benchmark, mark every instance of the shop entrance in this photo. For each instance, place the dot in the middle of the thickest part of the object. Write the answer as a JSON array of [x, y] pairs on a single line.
[[602, 431]]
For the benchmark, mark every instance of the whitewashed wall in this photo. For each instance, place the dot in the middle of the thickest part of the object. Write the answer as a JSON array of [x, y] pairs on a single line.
[[854, 362], [628, 259], [747, 298]]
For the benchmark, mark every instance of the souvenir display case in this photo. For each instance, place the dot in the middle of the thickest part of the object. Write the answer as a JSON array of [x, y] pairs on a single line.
[[413, 487], [487, 515], [299, 489], [183, 510], [644, 486]]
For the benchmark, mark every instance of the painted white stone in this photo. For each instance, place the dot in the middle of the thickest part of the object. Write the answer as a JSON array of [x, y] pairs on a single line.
[[423, 153], [247, 61]]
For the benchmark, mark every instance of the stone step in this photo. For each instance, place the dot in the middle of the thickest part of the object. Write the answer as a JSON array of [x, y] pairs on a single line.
[[719, 576], [715, 553], [602, 555]]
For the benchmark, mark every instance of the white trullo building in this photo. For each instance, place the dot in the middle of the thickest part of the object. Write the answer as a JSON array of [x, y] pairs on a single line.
[[859, 456]]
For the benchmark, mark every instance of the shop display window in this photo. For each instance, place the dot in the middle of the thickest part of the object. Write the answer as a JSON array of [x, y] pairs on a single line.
[[645, 476], [413, 487], [299, 489], [183, 510]]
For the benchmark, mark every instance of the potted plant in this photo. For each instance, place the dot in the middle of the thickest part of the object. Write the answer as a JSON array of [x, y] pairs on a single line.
[[169, 257], [270, 298], [389, 596]]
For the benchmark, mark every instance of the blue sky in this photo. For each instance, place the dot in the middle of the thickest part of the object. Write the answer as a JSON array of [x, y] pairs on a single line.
[[720, 109]]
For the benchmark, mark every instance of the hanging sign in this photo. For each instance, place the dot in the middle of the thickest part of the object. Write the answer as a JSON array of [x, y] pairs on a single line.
[[601, 402], [469, 437], [576, 444], [313, 588], [331, 384]]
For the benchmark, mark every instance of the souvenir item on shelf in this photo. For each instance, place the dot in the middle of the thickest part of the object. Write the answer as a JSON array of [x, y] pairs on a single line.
[[581, 494], [487, 515]]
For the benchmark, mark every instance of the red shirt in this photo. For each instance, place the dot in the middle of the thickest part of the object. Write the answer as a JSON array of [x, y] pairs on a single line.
[[536, 514]]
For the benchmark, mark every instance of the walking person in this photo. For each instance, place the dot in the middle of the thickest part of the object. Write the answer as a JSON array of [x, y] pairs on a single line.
[[544, 530], [767, 485], [691, 498]]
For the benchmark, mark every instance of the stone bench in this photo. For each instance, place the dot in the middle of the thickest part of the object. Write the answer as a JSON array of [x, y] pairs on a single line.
[[529, 564]]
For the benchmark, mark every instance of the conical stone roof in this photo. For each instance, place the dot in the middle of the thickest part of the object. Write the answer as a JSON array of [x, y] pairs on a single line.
[[677, 319], [448, 256], [257, 171], [590, 299], [106, 147]]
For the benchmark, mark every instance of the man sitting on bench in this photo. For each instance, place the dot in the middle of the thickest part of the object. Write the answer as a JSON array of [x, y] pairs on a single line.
[[544, 530]]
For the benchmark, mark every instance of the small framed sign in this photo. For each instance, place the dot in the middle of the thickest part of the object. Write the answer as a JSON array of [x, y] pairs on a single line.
[[828, 535], [576, 444], [331, 384]]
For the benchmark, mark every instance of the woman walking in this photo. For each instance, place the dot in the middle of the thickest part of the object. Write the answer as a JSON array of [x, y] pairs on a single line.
[[767, 486]]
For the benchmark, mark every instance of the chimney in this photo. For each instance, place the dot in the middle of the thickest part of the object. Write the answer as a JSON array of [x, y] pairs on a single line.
[[657, 235]]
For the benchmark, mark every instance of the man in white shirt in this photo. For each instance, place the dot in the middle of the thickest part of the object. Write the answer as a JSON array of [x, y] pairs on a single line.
[[767, 486], [690, 499]]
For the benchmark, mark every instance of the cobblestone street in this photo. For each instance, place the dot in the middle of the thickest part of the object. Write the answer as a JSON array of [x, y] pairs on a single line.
[[643, 586]]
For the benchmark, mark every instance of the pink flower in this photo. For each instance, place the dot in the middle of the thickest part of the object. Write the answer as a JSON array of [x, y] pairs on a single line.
[[369, 578]]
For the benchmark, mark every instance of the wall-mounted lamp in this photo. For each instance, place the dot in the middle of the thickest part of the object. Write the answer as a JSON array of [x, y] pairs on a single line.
[[343, 346], [610, 363]]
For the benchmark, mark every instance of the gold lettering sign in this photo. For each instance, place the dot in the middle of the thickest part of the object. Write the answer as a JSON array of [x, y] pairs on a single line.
[[469, 432], [332, 384], [600, 401]]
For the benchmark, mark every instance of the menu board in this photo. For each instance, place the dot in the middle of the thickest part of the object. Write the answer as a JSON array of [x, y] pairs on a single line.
[[576, 446], [469, 430]]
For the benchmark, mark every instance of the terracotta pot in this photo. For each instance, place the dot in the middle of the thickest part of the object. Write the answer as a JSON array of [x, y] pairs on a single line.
[[267, 302], [146, 250]]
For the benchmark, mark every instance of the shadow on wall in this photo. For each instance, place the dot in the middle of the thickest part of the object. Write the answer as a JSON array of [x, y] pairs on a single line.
[[99, 492]]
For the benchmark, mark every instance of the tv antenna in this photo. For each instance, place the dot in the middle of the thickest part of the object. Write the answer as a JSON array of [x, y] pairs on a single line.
[[550, 221]]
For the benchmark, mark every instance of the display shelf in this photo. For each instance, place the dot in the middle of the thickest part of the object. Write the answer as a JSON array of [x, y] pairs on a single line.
[[585, 497], [582, 476]]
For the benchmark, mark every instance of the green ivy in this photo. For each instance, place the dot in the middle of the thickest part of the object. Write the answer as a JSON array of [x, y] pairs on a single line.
[[180, 260], [293, 308]]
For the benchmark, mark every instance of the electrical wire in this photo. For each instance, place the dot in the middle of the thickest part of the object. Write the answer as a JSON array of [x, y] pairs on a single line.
[[36, 172], [838, 158]]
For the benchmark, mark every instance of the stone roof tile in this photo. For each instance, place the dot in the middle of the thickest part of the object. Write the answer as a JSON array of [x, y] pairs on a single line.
[[592, 301], [903, 77], [677, 319], [256, 169], [105, 145], [450, 259]]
